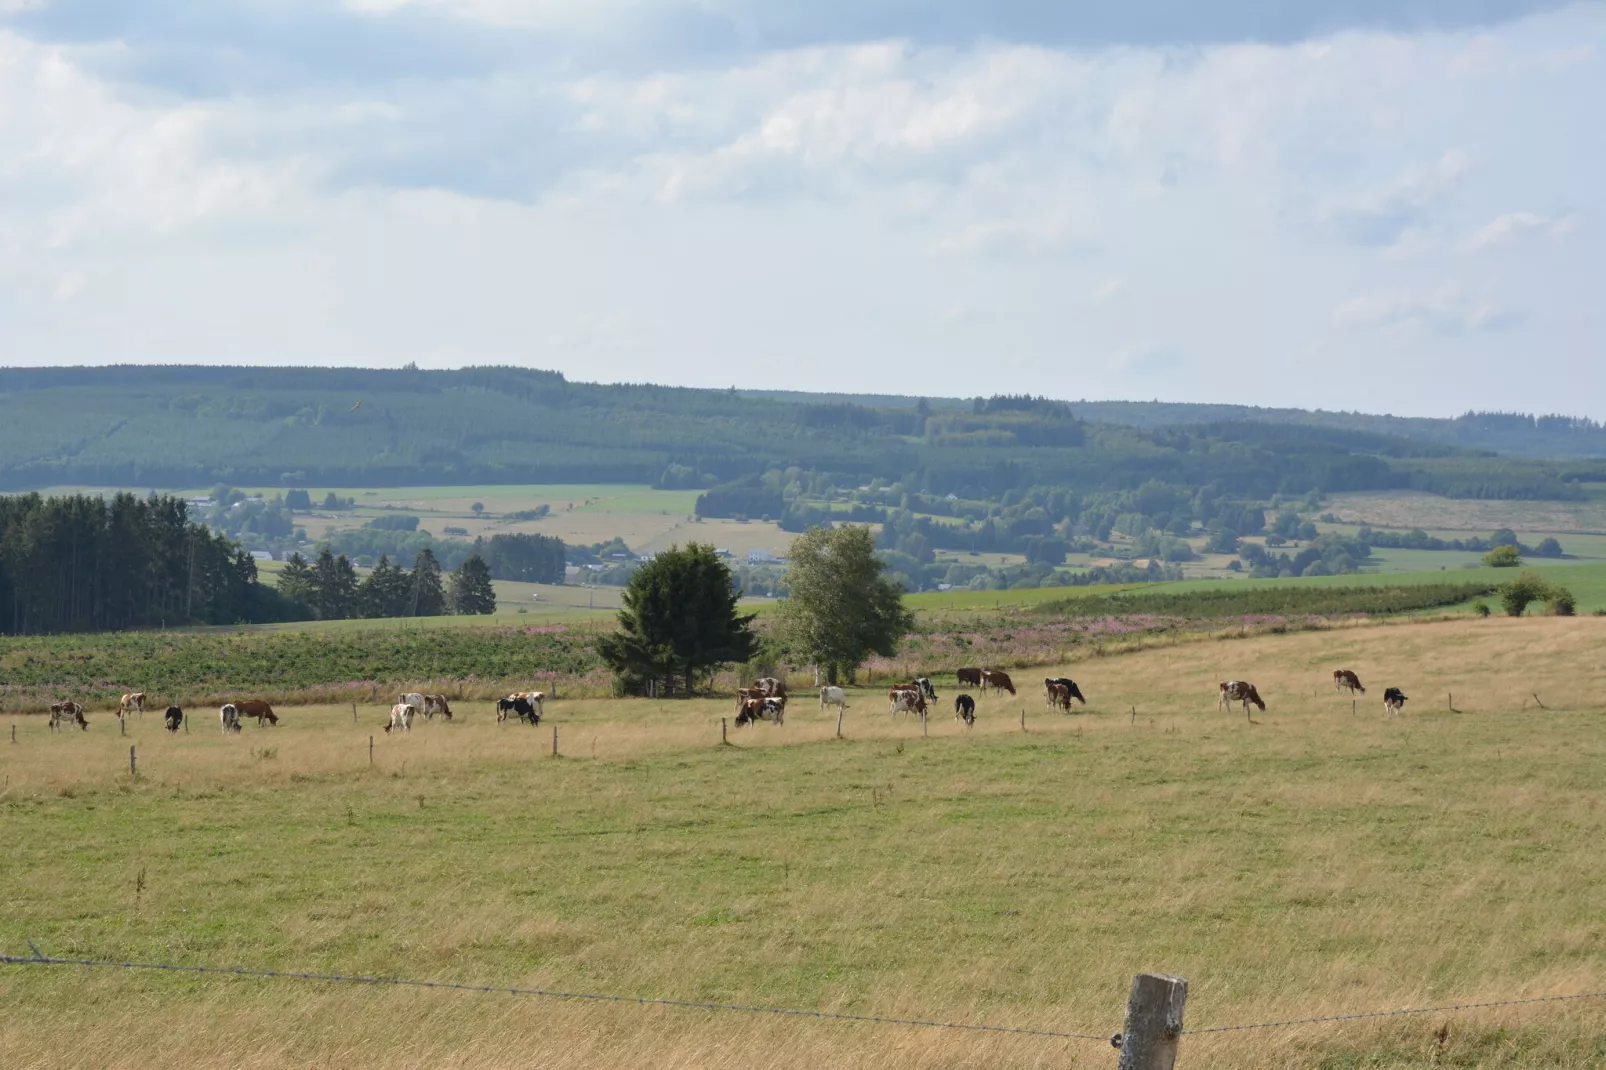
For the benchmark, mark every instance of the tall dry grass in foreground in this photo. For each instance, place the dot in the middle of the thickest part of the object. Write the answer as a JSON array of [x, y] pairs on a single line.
[[1313, 862]]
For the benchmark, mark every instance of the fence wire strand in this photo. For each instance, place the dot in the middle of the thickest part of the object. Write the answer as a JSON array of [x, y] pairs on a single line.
[[1450, 1008], [40, 959]]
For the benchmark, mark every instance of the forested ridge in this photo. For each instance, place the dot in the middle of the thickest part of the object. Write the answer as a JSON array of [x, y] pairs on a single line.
[[194, 426]]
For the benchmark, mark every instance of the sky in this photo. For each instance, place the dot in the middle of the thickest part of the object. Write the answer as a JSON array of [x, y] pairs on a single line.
[[1385, 205]]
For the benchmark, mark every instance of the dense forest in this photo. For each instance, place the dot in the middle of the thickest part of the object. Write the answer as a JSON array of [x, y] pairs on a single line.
[[83, 563], [294, 427]]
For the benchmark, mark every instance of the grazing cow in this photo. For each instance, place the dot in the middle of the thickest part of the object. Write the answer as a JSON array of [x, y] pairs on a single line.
[[1239, 691], [1070, 687], [745, 693], [534, 698], [528, 712], [772, 687], [69, 712], [774, 710], [1393, 700], [434, 704], [969, 677], [998, 680], [906, 702], [174, 718], [752, 710], [413, 699], [1344, 680], [965, 709], [1059, 697], [401, 717], [229, 717], [133, 701], [833, 696], [255, 707]]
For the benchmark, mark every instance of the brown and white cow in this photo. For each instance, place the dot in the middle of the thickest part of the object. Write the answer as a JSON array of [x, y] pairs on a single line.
[[1344, 680], [68, 712], [434, 704], [997, 680], [258, 708], [1240, 691], [906, 700], [132, 702], [772, 687], [1059, 697], [401, 717]]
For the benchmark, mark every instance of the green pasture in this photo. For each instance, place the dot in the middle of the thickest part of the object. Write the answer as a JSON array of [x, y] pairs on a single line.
[[1313, 861]]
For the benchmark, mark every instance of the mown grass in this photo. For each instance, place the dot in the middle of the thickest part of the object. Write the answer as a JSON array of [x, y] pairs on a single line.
[[1313, 862]]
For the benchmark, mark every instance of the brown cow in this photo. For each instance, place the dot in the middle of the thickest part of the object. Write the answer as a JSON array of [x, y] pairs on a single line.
[[970, 677], [998, 680], [1240, 691], [258, 708], [1059, 697], [1343, 679], [906, 700], [751, 709]]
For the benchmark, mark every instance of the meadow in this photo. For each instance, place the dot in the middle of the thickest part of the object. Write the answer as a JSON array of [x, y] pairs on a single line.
[[1312, 861]]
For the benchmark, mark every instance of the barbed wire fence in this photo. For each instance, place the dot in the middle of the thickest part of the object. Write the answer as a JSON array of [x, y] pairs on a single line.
[[1153, 1020]]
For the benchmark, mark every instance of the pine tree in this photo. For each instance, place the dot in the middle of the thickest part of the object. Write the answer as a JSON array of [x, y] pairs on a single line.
[[472, 592], [386, 592], [334, 586], [679, 620], [295, 579], [427, 595]]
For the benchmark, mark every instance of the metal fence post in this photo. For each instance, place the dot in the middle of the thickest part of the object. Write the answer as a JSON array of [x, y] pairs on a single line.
[[1153, 1028]]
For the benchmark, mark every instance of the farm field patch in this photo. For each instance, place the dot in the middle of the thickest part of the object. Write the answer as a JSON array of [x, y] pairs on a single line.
[[1403, 510], [1313, 862]]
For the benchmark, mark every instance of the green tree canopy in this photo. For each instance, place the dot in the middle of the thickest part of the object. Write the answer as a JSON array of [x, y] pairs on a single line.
[[1503, 556], [428, 592], [387, 591], [841, 609], [679, 622], [334, 586], [472, 593]]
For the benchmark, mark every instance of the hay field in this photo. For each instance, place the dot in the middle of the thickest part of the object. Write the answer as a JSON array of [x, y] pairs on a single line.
[[1315, 861]]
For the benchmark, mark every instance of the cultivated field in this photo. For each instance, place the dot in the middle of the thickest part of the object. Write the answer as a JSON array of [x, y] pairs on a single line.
[[1310, 863], [1403, 510]]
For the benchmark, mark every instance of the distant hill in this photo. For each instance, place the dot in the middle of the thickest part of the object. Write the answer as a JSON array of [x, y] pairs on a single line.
[[173, 426]]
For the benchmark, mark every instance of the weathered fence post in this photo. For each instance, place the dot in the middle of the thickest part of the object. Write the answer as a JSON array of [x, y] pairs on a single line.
[[13, 733], [353, 713], [1023, 718], [1153, 1028], [554, 741], [132, 771], [723, 738], [1352, 707], [370, 750], [838, 723]]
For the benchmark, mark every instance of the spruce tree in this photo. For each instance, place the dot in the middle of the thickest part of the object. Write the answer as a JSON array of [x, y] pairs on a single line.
[[427, 594], [472, 592], [679, 622]]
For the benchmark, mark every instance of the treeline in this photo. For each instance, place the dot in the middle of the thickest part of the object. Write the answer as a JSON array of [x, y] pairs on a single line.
[[295, 427], [83, 564], [1417, 539], [330, 590]]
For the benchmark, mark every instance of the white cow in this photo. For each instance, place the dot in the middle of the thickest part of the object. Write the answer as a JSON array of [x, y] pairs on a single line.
[[229, 717], [401, 717], [413, 699], [833, 696]]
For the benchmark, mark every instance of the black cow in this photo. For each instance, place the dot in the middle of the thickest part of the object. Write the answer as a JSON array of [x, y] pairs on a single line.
[[965, 709], [924, 684], [520, 707], [1393, 700], [175, 718]]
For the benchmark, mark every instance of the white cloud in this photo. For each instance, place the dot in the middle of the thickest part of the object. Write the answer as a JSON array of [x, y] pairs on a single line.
[[1445, 311], [1109, 290], [1513, 227]]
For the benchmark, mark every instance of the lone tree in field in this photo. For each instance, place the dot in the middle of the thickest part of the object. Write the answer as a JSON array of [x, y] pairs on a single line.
[[472, 592], [1503, 556], [679, 622], [841, 609]]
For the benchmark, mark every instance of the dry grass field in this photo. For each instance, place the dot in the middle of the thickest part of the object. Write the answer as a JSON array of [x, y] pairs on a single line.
[[1313, 861]]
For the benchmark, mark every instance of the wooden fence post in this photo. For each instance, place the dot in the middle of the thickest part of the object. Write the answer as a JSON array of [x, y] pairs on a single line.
[[370, 750], [13, 733], [122, 724], [554, 741], [923, 722], [1153, 1027], [1023, 718], [723, 738], [132, 771], [838, 723], [353, 713]]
